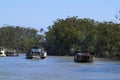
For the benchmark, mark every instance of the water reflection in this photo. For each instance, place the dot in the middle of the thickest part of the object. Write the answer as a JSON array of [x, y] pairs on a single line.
[[57, 68]]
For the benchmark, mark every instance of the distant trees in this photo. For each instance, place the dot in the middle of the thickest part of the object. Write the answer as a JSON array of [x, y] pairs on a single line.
[[118, 16], [67, 35], [16, 37], [108, 38]]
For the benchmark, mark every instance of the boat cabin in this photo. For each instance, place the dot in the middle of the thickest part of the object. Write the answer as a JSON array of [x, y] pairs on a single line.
[[36, 52], [2, 52]]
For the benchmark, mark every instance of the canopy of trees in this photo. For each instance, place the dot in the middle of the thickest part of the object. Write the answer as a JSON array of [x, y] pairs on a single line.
[[16, 37], [65, 36], [99, 38]]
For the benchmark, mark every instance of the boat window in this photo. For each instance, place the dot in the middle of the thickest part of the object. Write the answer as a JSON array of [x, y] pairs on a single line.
[[36, 50]]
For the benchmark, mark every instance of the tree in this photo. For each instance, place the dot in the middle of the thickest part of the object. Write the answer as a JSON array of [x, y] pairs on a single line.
[[118, 16], [108, 37], [70, 33], [18, 37]]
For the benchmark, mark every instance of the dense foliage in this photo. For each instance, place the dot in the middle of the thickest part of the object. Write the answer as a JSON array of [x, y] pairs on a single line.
[[99, 38], [65, 36], [16, 37]]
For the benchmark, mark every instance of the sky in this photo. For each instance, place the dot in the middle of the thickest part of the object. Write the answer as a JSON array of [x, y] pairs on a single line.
[[42, 13]]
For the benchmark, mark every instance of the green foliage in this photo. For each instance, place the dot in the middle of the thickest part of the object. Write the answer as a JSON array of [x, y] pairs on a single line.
[[67, 35], [108, 37], [18, 37]]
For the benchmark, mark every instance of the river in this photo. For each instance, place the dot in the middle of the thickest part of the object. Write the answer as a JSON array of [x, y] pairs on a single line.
[[57, 68]]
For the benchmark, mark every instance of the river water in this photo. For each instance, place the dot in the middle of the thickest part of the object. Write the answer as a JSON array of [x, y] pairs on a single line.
[[57, 68]]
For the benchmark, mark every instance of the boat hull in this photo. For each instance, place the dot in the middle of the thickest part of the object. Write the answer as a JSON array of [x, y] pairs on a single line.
[[43, 55], [11, 54], [83, 58], [32, 56], [2, 55]]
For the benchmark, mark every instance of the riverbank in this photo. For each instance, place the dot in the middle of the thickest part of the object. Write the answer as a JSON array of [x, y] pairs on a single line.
[[117, 58]]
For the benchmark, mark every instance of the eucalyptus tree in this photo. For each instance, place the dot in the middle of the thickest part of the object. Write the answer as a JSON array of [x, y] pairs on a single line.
[[71, 33], [107, 38], [18, 37]]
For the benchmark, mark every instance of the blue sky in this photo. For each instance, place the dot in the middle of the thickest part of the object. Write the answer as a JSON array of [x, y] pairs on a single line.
[[41, 13]]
